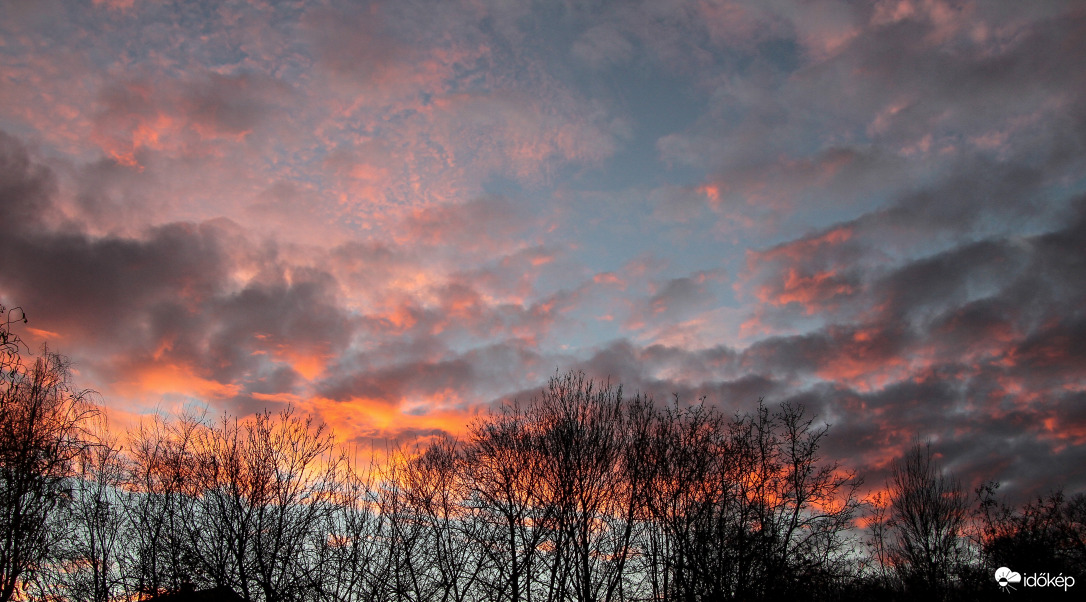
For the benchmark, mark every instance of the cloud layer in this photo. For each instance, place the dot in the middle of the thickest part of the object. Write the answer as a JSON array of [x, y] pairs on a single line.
[[399, 213]]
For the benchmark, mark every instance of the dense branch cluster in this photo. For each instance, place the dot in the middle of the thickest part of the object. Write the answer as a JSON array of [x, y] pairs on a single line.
[[580, 493]]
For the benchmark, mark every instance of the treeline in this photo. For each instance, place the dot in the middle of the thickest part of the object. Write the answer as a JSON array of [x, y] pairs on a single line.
[[580, 493]]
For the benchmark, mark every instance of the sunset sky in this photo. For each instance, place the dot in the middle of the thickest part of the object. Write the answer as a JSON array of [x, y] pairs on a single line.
[[395, 214]]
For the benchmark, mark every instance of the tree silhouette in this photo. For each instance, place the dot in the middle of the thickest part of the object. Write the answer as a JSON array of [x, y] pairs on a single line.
[[746, 508], [578, 493], [1047, 534], [436, 493], [11, 346], [504, 465], [594, 482], [159, 477], [928, 513], [89, 562], [42, 434]]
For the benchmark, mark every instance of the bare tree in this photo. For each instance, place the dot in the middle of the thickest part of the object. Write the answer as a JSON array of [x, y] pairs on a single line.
[[505, 469], [261, 491], [690, 542], [349, 565], [404, 571], [42, 433], [437, 494], [241, 504], [878, 563], [11, 346], [578, 494], [161, 465], [747, 508], [928, 513], [593, 496], [91, 563], [591, 442], [803, 505]]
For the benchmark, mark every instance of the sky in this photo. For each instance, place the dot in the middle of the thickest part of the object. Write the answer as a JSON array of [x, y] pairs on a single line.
[[397, 214]]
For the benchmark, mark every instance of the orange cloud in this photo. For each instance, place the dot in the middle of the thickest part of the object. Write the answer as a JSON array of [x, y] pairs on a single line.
[[116, 4], [44, 334], [712, 192], [813, 292], [199, 116], [803, 272], [159, 379], [309, 364], [367, 418], [609, 278], [802, 248], [864, 372]]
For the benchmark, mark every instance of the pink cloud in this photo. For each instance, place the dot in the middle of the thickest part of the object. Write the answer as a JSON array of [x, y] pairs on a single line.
[[201, 117]]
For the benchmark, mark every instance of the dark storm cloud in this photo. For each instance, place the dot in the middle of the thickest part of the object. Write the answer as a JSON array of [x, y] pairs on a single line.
[[1028, 448], [988, 72], [483, 225], [232, 104], [113, 197], [942, 244], [967, 295], [930, 286], [988, 106], [299, 317], [956, 79]]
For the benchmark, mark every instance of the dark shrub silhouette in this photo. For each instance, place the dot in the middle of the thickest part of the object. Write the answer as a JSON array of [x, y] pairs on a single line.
[[1047, 535]]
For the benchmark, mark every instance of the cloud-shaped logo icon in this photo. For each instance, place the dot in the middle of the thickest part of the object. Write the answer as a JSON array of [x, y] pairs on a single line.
[[1005, 577]]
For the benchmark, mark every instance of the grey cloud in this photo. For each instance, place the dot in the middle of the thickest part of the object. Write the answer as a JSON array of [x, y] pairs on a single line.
[[482, 225], [991, 332], [26, 187], [351, 42], [391, 384], [233, 104], [602, 46], [84, 284], [215, 103], [679, 296], [166, 295]]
